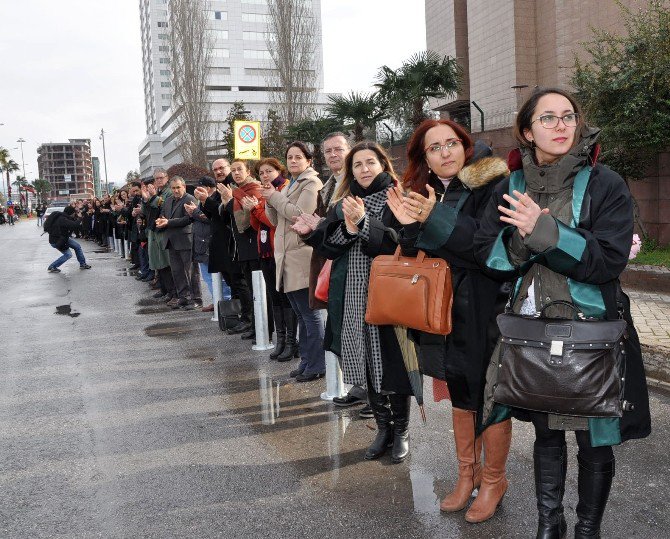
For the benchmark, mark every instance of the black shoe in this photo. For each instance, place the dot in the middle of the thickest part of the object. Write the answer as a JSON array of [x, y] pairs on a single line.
[[400, 413], [550, 465], [140, 277], [251, 334], [84, 266], [366, 412], [134, 267], [53, 270], [280, 339], [309, 377], [594, 481], [383, 418], [188, 306], [240, 328], [295, 372], [291, 345], [158, 295], [180, 304], [348, 400]]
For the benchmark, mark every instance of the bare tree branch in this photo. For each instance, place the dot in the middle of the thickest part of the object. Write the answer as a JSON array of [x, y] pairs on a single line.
[[291, 42], [190, 52]]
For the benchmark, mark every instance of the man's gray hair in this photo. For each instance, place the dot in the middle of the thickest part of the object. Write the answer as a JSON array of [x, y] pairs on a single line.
[[333, 135], [178, 179], [159, 171]]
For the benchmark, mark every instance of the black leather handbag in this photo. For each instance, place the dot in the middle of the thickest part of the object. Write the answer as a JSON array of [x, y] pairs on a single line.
[[567, 367], [229, 313]]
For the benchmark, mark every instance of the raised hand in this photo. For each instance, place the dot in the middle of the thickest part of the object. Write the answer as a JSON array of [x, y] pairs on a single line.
[[305, 223], [161, 222], [151, 188], [190, 207], [200, 193], [225, 191], [418, 207], [394, 198], [249, 203]]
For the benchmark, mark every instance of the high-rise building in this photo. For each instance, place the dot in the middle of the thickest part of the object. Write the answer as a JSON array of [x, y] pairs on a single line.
[[240, 68], [68, 167]]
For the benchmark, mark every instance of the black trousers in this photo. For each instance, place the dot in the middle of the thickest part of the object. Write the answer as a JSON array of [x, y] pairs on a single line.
[[166, 282], [180, 265], [545, 437], [239, 289], [278, 299]]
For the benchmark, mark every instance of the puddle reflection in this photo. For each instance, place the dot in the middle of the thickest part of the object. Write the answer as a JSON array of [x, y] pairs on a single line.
[[269, 391], [424, 495]]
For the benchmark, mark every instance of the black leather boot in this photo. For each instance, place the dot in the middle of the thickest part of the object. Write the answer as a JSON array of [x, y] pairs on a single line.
[[382, 412], [280, 329], [400, 414], [550, 469], [594, 481], [291, 347]]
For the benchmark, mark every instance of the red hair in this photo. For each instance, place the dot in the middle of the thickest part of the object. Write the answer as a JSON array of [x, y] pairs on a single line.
[[417, 172]]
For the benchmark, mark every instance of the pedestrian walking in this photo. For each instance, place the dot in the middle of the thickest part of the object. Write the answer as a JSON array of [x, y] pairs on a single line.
[[10, 214], [562, 225]]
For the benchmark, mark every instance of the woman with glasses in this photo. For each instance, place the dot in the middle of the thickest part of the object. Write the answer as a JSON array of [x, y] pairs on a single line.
[[292, 255], [562, 226], [450, 182]]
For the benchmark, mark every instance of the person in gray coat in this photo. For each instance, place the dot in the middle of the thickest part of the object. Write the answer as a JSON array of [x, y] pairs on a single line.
[[176, 236]]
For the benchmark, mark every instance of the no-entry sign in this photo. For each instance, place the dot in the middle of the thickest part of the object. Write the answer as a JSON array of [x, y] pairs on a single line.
[[247, 139]]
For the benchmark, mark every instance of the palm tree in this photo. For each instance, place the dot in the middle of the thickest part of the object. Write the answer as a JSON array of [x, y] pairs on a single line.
[[364, 110], [405, 91], [8, 165], [42, 188]]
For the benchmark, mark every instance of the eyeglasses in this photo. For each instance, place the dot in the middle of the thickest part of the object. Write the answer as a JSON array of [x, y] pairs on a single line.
[[449, 145], [549, 121]]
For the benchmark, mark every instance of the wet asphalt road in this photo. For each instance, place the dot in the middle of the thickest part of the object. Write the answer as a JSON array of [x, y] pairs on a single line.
[[123, 418]]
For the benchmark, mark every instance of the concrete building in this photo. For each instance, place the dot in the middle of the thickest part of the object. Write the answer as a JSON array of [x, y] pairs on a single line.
[[240, 68], [68, 167]]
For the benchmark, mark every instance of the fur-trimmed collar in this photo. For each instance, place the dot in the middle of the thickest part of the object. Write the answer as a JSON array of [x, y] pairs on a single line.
[[482, 172]]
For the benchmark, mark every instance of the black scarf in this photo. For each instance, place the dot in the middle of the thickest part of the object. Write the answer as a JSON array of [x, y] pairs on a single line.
[[382, 182]]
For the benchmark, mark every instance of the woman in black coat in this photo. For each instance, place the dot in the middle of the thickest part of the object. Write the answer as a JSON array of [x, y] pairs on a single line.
[[450, 188], [562, 226]]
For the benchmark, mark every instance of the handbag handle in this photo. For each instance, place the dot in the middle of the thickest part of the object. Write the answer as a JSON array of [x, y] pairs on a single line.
[[419, 257], [577, 313]]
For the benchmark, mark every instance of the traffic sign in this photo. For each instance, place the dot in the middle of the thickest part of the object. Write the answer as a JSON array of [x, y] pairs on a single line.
[[247, 139]]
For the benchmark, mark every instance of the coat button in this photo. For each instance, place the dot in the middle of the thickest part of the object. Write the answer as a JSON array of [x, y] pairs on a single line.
[[542, 172]]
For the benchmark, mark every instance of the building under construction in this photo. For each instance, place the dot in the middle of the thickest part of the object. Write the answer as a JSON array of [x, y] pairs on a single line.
[[68, 167]]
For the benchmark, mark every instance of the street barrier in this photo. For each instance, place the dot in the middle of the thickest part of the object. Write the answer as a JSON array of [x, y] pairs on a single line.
[[260, 312], [334, 385]]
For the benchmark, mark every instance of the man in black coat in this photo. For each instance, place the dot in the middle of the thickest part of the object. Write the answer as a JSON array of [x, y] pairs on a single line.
[[176, 236], [59, 229]]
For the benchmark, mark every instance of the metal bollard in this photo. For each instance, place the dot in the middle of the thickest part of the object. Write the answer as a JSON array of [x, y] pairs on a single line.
[[334, 385], [216, 295], [128, 255], [260, 312], [119, 247], [110, 243]]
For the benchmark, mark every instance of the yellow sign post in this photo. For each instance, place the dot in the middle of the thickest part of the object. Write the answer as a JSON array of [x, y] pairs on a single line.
[[247, 139]]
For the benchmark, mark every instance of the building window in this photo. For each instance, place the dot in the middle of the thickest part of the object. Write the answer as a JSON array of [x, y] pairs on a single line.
[[255, 17], [260, 72], [166, 96], [221, 34], [220, 15], [166, 85], [256, 2], [162, 36], [162, 24], [163, 48], [221, 53], [164, 60], [165, 72], [257, 55], [218, 88], [254, 36], [165, 108], [219, 71]]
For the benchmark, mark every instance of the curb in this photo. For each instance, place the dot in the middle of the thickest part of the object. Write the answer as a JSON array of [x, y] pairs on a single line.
[[655, 279]]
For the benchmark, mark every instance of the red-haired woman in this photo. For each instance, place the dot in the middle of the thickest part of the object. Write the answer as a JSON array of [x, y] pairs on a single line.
[[450, 182], [273, 175]]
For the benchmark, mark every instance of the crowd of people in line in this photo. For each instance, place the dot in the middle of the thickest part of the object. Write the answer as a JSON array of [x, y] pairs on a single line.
[[519, 233]]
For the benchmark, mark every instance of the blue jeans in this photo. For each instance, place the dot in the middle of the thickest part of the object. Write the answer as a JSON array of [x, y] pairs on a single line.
[[71, 244], [143, 255], [40, 220], [312, 355]]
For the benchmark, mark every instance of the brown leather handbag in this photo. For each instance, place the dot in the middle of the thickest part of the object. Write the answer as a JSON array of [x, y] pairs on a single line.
[[411, 292]]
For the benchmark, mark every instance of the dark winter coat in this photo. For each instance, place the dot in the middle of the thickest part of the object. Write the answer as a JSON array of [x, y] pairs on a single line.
[[592, 255], [462, 357], [61, 229], [222, 243], [202, 235]]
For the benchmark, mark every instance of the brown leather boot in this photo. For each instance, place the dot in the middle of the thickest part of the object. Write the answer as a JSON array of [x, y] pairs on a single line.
[[468, 453], [497, 439]]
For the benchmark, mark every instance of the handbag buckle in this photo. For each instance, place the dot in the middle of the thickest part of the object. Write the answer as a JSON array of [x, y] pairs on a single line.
[[415, 278], [556, 348]]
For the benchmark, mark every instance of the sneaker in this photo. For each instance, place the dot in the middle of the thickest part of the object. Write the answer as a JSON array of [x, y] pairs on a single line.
[[53, 270], [366, 412], [84, 266]]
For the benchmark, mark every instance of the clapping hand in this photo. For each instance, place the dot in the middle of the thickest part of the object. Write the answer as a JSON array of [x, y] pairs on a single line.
[[304, 223], [354, 210], [190, 207], [151, 188], [418, 207], [200, 193], [249, 203], [161, 222], [394, 199], [136, 211], [525, 214], [225, 191], [267, 190]]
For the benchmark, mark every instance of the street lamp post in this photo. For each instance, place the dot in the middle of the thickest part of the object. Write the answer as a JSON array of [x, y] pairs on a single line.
[[23, 166], [104, 158]]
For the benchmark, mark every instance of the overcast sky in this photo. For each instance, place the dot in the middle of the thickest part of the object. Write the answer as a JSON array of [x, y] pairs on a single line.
[[72, 67]]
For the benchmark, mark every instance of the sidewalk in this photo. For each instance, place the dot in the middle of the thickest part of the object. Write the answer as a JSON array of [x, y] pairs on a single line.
[[651, 314]]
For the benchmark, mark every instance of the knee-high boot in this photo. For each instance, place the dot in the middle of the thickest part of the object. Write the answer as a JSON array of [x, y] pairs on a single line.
[[291, 323], [550, 465], [594, 481], [400, 411], [280, 329], [497, 439], [382, 412], [468, 453]]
